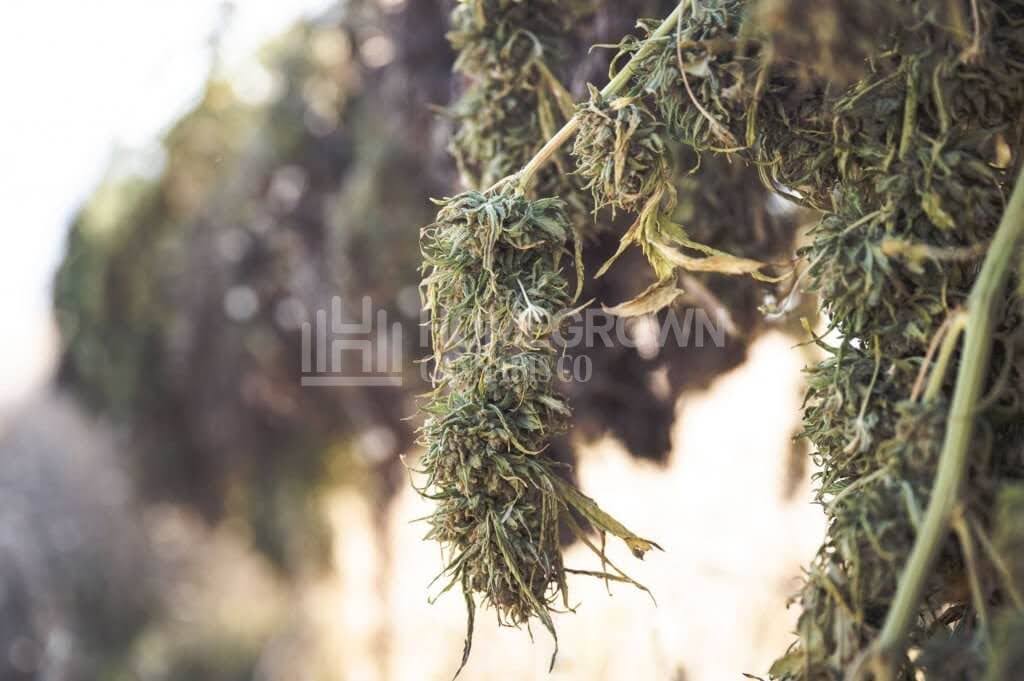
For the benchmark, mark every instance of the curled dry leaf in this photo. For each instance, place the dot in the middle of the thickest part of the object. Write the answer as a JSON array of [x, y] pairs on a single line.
[[655, 297], [719, 262]]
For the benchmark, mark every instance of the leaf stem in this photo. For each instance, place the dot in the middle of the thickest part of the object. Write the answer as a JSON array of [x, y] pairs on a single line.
[[617, 83], [938, 375], [981, 316]]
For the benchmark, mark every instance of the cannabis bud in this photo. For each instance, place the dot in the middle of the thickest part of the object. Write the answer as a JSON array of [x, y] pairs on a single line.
[[496, 294], [620, 152], [508, 51]]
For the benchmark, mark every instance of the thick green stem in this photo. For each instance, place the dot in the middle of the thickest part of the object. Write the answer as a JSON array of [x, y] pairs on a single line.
[[614, 86], [982, 306]]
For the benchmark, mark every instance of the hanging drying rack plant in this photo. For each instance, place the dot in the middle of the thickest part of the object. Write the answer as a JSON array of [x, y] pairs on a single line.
[[908, 147]]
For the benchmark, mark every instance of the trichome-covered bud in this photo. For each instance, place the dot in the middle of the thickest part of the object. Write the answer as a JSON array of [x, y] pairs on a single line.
[[492, 262], [496, 295], [620, 152]]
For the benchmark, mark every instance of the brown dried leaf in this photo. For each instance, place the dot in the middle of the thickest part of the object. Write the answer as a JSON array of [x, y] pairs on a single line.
[[655, 297]]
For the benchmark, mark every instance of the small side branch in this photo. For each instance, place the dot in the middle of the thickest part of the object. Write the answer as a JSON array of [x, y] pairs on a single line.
[[614, 86]]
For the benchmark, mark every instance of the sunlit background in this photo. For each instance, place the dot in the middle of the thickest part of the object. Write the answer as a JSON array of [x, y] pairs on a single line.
[[90, 88], [214, 576]]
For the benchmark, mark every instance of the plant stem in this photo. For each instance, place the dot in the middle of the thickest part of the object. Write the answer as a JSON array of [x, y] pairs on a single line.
[[963, 533], [619, 81], [981, 315], [546, 152], [938, 375]]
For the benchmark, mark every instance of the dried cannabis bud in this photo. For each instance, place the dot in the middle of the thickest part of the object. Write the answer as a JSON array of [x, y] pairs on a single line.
[[910, 165], [510, 50], [494, 289], [623, 150], [906, 142], [619, 152]]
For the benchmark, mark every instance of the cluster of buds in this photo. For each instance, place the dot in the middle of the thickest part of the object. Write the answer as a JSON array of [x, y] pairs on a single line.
[[508, 50], [496, 295]]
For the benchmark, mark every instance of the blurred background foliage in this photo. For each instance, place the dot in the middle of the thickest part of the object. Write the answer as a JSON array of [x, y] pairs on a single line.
[[178, 466]]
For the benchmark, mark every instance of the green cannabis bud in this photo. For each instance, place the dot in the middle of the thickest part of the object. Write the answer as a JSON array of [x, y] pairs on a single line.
[[620, 152], [495, 293], [906, 143], [507, 49]]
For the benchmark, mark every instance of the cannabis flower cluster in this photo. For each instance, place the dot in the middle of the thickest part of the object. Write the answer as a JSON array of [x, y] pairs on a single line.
[[905, 141], [910, 165], [509, 51], [619, 152], [495, 293]]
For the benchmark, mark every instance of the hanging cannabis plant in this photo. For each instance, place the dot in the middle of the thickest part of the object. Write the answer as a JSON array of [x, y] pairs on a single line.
[[510, 52], [496, 295], [907, 140], [911, 166]]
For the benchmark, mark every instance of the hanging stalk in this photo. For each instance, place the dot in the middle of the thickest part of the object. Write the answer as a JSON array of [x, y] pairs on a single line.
[[614, 86], [981, 309]]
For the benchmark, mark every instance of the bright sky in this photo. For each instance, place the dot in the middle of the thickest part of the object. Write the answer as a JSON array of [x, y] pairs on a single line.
[[80, 80]]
